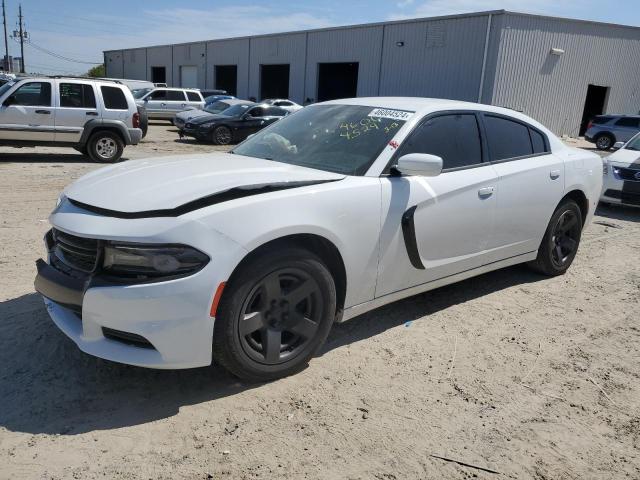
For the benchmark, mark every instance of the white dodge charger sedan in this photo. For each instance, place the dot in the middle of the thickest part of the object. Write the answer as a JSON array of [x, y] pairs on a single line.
[[247, 258], [622, 175]]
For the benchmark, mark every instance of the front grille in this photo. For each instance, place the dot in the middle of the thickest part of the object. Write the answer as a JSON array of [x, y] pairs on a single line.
[[627, 173], [74, 253], [624, 197]]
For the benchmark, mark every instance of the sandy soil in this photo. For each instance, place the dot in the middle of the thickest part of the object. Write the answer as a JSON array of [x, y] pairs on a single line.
[[523, 375]]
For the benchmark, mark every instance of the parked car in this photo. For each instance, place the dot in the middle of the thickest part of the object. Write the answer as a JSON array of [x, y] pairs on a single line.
[[249, 257], [215, 108], [209, 93], [621, 171], [96, 117], [288, 105], [606, 130], [6, 77], [164, 103], [233, 124]]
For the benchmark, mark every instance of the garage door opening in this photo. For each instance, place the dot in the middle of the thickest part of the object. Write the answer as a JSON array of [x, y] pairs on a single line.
[[593, 105], [337, 80], [226, 78], [159, 74], [189, 76], [274, 81]]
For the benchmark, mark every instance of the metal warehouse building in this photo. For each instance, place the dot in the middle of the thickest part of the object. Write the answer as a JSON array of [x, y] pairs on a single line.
[[559, 71]]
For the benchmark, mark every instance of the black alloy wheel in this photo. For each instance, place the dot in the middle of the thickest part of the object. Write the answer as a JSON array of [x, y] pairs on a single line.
[[222, 136], [565, 238], [274, 315], [280, 316]]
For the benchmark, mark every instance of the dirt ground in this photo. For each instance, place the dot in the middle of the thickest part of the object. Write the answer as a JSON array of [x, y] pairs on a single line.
[[518, 374]]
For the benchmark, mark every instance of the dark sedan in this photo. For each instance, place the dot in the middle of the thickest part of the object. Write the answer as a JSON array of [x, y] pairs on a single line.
[[233, 124]]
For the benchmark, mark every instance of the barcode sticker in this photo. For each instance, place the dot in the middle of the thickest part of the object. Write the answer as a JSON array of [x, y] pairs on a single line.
[[392, 114]]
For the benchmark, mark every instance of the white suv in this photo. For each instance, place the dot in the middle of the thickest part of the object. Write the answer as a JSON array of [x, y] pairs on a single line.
[[96, 117], [164, 103]]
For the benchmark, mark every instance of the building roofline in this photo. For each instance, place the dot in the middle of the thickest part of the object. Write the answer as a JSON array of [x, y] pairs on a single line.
[[384, 23]]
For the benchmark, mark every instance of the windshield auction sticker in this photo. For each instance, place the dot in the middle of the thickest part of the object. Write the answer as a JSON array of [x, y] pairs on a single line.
[[392, 114]]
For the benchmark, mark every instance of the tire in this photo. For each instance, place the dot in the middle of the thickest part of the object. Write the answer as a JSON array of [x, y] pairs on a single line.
[[561, 240], [105, 146], [221, 135], [144, 121], [257, 335], [604, 141]]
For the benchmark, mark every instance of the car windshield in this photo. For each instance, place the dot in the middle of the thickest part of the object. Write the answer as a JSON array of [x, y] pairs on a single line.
[[335, 138], [634, 143], [216, 107], [4, 88], [140, 92], [235, 110]]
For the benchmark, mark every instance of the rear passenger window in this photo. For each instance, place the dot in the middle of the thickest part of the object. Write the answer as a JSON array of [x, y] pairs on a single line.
[[628, 122], [537, 140], [454, 138], [175, 96], [275, 112], [193, 97], [77, 95], [506, 138], [114, 98]]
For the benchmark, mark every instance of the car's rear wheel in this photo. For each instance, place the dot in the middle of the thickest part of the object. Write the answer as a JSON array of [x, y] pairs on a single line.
[[604, 141], [221, 136], [561, 240], [105, 146], [275, 313]]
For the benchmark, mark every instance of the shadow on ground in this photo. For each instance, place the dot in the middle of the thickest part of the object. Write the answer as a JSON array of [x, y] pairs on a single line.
[[48, 386], [29, 155], [618, 212]]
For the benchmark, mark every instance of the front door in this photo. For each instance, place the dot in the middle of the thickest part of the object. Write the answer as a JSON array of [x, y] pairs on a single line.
[[176, 102], [155, 103], [28, 113], [434, 227]]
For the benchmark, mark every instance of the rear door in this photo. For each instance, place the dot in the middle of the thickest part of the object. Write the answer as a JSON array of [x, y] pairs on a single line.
[[194, 99], [75, 106], [626, 128], [30, 116], [530, 185], [434, 227]]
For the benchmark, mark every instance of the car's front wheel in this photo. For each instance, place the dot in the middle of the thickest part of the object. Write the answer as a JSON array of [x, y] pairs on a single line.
[[105, 146], [222, 136], [561, 240], [275, 313]]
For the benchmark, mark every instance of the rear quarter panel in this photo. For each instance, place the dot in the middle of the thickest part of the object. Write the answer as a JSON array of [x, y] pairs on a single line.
[[583, 171]]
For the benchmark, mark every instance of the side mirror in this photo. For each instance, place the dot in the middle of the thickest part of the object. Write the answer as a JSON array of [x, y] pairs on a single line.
[[618, 145], [422, 164]]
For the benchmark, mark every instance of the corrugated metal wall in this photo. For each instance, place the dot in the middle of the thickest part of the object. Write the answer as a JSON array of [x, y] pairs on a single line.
[[553, 88], [229, 52], [361, 45], [189, 55], [441, 58], [278, 49]]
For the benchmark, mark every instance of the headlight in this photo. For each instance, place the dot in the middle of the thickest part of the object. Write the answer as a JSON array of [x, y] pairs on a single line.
[[142, 261]]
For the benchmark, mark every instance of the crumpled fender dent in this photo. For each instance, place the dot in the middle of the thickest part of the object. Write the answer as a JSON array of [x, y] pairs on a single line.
[[216, 198]]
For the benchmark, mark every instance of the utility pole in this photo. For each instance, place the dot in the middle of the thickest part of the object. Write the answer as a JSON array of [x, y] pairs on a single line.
[[22, 35], [7, 63]]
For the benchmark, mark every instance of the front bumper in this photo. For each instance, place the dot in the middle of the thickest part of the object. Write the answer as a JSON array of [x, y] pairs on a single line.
[[170, 318], [616, 190]]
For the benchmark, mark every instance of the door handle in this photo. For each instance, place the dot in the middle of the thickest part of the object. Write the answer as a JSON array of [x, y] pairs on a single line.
[[183, 105], [95, 114], [486, 192], [163, 104], [44, 112], [554, 174]]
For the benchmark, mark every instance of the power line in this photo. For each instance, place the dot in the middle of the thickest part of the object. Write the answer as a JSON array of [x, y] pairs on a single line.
[[60, 57]]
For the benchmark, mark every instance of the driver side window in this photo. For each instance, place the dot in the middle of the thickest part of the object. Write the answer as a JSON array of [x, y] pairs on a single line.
[[33, 94], [256, 112], [453, 137]]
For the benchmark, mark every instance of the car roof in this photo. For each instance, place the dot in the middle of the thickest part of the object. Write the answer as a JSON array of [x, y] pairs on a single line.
[[234, 101]]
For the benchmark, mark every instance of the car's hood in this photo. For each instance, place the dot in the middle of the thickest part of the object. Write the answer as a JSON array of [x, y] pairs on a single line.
[[625, 157], [187, 115], [161, 184], [209, 117]]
